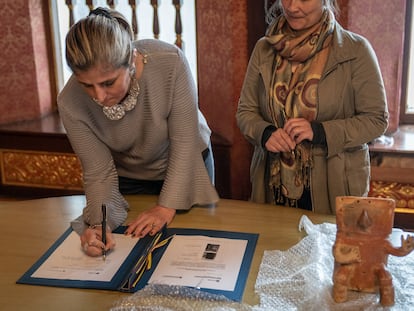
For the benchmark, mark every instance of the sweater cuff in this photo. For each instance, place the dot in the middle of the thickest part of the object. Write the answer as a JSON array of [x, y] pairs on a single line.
[[319, 136], [267, 133]]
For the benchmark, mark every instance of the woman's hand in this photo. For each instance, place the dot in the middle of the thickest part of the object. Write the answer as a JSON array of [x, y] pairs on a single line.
[[91, 241], [151, 221], [280, 141], [298, 129]]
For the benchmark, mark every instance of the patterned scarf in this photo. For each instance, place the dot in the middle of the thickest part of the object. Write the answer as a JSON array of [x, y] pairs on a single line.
[[294, 95]]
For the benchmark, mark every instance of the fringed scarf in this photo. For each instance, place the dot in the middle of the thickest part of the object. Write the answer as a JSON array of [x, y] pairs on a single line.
[[294, 95]]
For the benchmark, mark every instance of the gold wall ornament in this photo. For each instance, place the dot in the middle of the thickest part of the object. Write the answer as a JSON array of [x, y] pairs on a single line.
[[40, 169], [402, 193]]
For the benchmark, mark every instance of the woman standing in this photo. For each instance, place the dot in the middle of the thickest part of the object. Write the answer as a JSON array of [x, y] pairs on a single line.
[[130, 111], [313, 97]]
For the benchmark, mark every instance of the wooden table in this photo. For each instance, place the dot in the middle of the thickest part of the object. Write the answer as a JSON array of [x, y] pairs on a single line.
[[29, 228]]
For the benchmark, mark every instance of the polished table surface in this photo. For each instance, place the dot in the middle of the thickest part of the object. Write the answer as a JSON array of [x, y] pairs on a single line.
[[29, 228]]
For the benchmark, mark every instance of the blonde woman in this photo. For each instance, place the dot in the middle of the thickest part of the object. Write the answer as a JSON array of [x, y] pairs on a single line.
[[131, 113]]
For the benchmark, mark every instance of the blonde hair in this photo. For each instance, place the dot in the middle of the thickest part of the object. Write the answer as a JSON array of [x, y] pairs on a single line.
[[103, 38]]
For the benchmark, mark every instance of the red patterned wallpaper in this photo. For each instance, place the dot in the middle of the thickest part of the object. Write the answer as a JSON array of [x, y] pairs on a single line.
[[383, 26], [25, 91], [223, 56]]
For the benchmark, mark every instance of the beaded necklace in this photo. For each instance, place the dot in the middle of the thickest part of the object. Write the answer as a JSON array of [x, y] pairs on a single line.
[[117, 112]]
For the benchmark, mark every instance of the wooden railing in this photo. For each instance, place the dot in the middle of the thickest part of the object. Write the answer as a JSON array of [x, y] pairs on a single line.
[[134, 6]]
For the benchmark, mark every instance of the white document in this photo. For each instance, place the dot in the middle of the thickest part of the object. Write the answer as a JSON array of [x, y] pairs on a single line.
[[201, 262], [69, 262]]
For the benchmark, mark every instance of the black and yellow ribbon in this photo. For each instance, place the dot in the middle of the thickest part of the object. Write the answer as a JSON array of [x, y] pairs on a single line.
[[144, 262]]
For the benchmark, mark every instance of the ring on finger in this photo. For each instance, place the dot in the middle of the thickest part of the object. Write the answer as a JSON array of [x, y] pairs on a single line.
[[85, 247]]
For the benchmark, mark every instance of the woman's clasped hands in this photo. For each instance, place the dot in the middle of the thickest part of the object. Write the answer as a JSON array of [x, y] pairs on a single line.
[[294, 132]]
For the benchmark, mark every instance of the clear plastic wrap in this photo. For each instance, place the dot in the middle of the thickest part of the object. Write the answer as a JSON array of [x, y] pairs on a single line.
[[176, 298]]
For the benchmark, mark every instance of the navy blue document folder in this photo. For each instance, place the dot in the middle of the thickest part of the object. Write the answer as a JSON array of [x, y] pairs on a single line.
[[136, 270]]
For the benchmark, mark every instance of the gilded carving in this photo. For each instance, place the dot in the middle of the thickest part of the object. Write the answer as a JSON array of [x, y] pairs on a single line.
[[403, 194], [41, 169]]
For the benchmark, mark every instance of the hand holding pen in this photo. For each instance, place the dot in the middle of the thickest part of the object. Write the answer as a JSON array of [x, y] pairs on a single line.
[[96, 240]]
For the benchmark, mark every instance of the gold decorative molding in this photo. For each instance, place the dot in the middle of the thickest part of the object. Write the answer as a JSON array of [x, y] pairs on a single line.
[[403, 194], [40, 169]]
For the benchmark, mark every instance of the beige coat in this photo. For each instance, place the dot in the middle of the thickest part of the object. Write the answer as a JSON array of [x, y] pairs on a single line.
[[351, 106]]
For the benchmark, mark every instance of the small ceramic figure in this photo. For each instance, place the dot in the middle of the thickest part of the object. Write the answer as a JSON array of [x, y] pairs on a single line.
[[362, 247]]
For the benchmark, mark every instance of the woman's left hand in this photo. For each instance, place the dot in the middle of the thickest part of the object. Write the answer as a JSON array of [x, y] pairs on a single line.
[[151, 221], [299, 129]]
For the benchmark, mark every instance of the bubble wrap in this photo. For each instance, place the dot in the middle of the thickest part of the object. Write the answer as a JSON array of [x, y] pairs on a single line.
[[176, 298], [297, 279], [301, 277]]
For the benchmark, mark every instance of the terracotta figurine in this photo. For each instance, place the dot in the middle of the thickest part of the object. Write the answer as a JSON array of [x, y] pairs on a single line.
[[362, 247]]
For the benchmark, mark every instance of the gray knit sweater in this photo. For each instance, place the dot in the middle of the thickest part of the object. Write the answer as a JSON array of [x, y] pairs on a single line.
[[160, 139]]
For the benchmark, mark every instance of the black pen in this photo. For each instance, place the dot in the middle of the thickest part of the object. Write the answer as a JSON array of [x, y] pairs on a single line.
[[104, 230]]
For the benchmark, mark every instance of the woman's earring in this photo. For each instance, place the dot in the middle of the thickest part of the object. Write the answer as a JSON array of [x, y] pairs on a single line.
[[132, 71]]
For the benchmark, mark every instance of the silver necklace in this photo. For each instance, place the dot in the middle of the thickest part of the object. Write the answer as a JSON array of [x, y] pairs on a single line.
[[117, 112]]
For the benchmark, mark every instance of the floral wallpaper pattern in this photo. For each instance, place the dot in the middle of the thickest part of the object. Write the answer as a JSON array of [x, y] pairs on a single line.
[[25, 91], [383, 25], [222, 61]]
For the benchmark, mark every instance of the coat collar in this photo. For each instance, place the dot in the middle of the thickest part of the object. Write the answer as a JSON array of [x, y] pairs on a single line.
[[341, 50]]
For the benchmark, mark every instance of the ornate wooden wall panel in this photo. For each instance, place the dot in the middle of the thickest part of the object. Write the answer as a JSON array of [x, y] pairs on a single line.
[[40, 169]]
